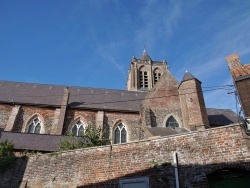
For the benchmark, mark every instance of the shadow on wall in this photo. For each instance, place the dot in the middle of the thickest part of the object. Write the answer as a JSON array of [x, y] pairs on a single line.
[[195, 176], [13, 175]]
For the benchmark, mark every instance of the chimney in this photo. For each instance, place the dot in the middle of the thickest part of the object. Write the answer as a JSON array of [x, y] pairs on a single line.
[[233, 61]]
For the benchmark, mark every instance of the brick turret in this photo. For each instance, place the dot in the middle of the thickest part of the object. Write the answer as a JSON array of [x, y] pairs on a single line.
[[192, 103]]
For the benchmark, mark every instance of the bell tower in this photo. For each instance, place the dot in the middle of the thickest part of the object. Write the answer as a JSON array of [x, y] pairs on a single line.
[[144, 73]]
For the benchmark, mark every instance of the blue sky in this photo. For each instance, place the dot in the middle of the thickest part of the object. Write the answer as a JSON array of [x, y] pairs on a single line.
[[90, 43]]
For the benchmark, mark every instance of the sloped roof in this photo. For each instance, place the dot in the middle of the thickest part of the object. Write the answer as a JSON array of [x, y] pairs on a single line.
[[36, 142], [220, 117], [145, 56], [240, 71], [79, 97], [188, 76]]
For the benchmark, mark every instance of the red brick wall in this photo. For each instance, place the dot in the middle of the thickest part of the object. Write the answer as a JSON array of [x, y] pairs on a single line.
[[200, 153], [243, 87], [27, 112], [193, 105]]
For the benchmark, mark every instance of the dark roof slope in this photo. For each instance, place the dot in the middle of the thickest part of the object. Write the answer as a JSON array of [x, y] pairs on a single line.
[[220, 117], [36, 142], [145, 56], [188, 76], [80, 97]]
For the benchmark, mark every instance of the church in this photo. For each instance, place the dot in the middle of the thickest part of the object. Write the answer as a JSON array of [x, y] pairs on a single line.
[[161, 133], [36, 116]]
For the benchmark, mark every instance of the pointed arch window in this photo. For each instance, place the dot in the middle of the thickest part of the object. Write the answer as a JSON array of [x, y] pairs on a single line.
[[120, 134], [172, 123], [35, 126], [157, 75], [78, 128]]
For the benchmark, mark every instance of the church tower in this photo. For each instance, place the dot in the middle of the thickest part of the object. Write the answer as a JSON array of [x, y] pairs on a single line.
[[144, 73]]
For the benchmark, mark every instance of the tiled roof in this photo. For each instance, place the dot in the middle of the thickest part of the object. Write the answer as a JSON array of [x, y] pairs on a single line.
[[240, 71], [79, 97], [220, 117]]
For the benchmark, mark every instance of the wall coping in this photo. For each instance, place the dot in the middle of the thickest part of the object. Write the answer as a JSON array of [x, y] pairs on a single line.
[[139, 141]]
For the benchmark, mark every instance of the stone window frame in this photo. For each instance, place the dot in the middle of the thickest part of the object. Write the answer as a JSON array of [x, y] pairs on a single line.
[[125, 124], [156, 75], [74, 122], [143, 78], [30, 120], [175, 117]]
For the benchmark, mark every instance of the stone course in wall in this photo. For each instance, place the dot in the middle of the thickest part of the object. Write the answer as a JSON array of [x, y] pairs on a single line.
[[200, 153]]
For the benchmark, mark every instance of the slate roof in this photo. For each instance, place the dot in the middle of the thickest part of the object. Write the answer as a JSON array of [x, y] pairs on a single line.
[[80, 97], [188, 76], [220, 117], [145, 56], [36, 142]]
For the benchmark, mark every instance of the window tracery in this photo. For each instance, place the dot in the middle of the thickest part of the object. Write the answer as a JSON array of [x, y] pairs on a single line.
[[35, 126], [120, 134], [78, 128]]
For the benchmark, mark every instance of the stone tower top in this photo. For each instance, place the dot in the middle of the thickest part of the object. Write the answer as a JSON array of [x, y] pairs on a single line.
[[144, 73], [145, 56]]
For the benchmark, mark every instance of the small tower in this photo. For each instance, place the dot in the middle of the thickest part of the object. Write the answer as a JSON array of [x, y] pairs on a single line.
[[144, 73], [192, 103]]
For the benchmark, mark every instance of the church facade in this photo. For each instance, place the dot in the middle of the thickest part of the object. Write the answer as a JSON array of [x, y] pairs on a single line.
[[154, 104], [161, 133]]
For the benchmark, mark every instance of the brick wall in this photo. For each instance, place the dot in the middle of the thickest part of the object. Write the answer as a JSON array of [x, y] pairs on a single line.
[[199, 153], [243, 87], [193, 105], [162, 101], [27, 112], [131, 121]]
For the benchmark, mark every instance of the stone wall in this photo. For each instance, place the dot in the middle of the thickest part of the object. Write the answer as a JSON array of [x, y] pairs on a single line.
[[5, 111], [200, 153], [162, 102], [50, 117]]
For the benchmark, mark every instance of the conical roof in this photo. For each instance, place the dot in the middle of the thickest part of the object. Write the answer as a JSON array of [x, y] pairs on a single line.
[[145, 56]]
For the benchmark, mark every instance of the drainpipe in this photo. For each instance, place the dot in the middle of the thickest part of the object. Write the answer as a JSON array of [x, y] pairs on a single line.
[[176, 169]]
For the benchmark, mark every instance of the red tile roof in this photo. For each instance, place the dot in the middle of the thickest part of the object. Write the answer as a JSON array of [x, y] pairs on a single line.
[[240, 71]]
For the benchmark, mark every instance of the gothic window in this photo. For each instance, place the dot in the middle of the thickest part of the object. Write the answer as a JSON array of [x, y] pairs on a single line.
[[120, 134], [157, 75], [172, 123], [35, 126], [143, 79], [78, 128]]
